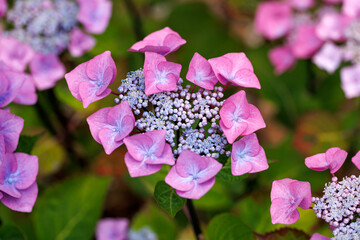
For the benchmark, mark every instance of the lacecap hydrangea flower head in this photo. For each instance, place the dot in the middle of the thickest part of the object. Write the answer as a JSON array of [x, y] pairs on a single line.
[[326, 32], [339, 206], [37, 31], [189, 127]]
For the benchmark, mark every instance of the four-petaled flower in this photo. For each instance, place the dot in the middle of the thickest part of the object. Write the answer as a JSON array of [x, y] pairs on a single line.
[[160, 75], [163, 42], [10, 129], [235, 68], [88, 82], [286, 195], [109, 126], [238, 118], [201, 73], [248, 156], [147, 153], [332, 159], [193, 175]]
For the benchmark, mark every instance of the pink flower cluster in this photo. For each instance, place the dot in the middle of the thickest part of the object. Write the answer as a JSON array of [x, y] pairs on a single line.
[[288, 194], [328, 35], [193, 171]]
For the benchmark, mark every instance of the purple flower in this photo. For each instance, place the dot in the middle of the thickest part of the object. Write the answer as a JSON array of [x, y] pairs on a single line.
[[317, 236], [193, 175], [248, 156], [350, 80], [3, 8], [332, 159], [273, 19], [88, 82], [80, 42], [94, 15], [147, 152], [286, 195], [10, 85], [27, 93], [235, 68], [238, 118], [109, 126], [201, 73], [328, 57], [10, 129], [163, 42], [16, 55], [17, 181], [160, 75], [46, 70], [112, 229], [281, 58]]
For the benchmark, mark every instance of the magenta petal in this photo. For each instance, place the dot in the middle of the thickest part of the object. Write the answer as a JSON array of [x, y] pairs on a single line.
[[75, 77], [80, 42], [255, 120], [212, 168], [283, 212], [138, 168], [178, 182], [87, 92], [107, 139], [189, 163], [305, 41], [167, 157], [97, 121], [227, 112], [356, 160], [336, 158], [138, 145], [317, 162], [3, 8], [98, 66], [281, 58], [10, 85], [199, 190], [26, 172], [16, 55], [118, 112], [112, 229], [27, 93], [10, 127], [94, 15], [317, 236], [23, 204]]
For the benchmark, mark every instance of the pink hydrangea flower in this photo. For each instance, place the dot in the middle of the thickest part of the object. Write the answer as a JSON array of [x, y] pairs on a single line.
[[351, 8], [193, 175], [160, 75], [350, 80], [88, 82], [332, 159], [281, 58], [94, 14], [273, 19], [201, 73], [332, 26], [305, 42], [301, 5], [80, 42], [248, 156], [333, 1], [10, 129], [10, 85], [356, 160], [328, 57], [238, 118], [235, 68], [147, 153], [109, 126], [112, 229], [46, 70], [163, 42], [27, 93], [18, 173], [317, 236], [286, 195], [3, 8], [16, 55]]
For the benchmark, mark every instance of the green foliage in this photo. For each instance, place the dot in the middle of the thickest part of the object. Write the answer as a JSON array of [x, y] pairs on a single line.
[[70, 209], [228, 227], [11, 232], [27, 143], [286, 234], [225, 173], [168, 199]]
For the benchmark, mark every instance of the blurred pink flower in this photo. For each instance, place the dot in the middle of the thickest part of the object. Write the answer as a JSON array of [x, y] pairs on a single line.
[[10, 86], [3, 8], [109, 126], [333, 1], [332, 159], [238, 118], [304, 43], [201, 73], [332, 26], [351, 8], [356, 160], [16, 55], [235, 68], [112, 229], [317, 236], [10, 129], [160, 75], [27, 93], [80, 42], [248, 156], [163, 42], [286, 195], [273, 19], [301, 5], [350, 80], [328, 57], [94, 14], [88, 82], [147, 153], [193, 175], [281, 58]]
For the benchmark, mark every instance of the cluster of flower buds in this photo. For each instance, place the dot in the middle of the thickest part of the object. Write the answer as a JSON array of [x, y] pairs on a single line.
[[187, 127], [339, 206], [328, 34], [39, 30]]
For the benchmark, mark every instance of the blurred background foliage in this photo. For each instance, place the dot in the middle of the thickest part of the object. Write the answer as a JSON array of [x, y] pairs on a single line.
[[305, 111]]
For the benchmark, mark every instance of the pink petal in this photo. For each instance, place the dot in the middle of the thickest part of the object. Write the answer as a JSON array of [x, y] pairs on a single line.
[[350, 80], [139, 169], [94, 15], [10, 127], [80, 42], [336, 157], [282, 212], [3, 8], [97, 121], [102, 68], [107, 139], [317, 236], [27, 93], [356, 160], [10, 85], [328, 57], [138, 145], [27, 170], [178, 182], [23, 204], [351, 8], [87, 92], [199, 190], [317, 162], [281, 58], [16, 55], [302, 5], [75, 77], [112, 229]]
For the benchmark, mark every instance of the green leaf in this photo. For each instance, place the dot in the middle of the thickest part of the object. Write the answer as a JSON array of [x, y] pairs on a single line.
[[27, 143], [71, 209], [168, 199], [286, 233], [11, 232], [225, 173], [228, 227]]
